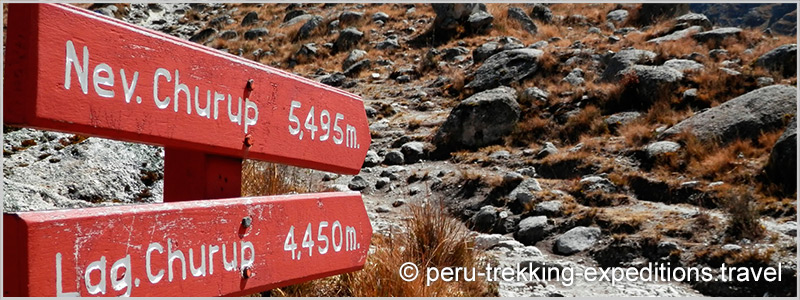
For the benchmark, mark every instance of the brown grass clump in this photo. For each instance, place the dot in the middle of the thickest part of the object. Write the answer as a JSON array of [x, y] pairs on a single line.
[[636, 134], [743, 216], [587, 122], [433, 239], [263, 179]]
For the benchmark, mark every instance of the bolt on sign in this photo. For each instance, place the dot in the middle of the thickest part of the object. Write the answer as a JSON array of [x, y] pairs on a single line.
[[209, 110]]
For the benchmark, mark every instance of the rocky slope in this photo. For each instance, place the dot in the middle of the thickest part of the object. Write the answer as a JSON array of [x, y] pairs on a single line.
[[564, 135]]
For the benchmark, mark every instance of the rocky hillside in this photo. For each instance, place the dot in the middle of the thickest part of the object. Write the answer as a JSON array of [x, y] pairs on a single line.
[[565, 135]]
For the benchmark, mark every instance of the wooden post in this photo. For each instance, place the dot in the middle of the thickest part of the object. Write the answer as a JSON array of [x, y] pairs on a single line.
[[194, 175]]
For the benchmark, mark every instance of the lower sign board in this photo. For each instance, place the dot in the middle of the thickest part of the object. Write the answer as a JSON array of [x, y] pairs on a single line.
[[193, 248]]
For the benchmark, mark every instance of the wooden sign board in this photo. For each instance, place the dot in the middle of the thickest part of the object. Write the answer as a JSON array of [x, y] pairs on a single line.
[[193, 248], [73, 70]]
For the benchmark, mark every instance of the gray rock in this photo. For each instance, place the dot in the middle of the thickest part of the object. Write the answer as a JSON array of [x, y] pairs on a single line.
[[622, 60], [388, 44], [512, 178], [203, 36], [357, 67], [518, 15], [485, 219], [617, 16], [486, 241], [664, 248], [228, 35], [293, 14], [743, 117], [393, 172], [381, 182], [480, 120], [653, 83], [597, 183], [413, 152], [500, 155], [357, 183], [764, 81], [522, 195], [394, 157], [782, 59], [677, 35], [353, 57], [576, 240], [504, 68], [308, 27], [480, 21], [718, 53], [547, 150], [308, 50], [382, 209], [731, 247], [621, 118], [486, 50], [575, 77], [542, 13], [380, 16], [335, 79], [531, 230], [717, 35], [594, 30], [255, 33], [527, 171], [695, 19], [249, 19], [349, 17], [657, 149], [789, 228], [782, 165], [347, 39], [509, 245], [372, 159], [684, 65], [548, 208], [539, 45], [534, 93], [451, 54]]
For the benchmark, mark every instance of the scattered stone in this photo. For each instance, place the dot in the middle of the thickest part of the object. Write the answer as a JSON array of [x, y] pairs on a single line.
[[388, 44], [485, 219], [486, 241], [414, 190], [619, 119], [576, 240], [380, 16], [228, 35], [677, 35], [372, 159], [382, 209], [550, 208], [249, 19], [203, 36], [354, 56], [393, 172], [684, 65], [349, 17], [357, 68], [531, 230], [575, 77], [534, 93], [347, 39], [500, 155], [480, 120], [357, 183], [597, 183], [518, 15], [381, 182], [547, 150], [308, 27], [522, 196], [657, 149], [398, 203], [665, 248], [453, 54], [334, 80], [617, 16], [717, 35], [504, 68], [542, 13], [293, 14], [731, 247], [782, 59], [695, 19], [480, 21], [527, 171], [413, 152], [620, 62], [394, 157], [512, 178], [743, 117], [255, 33]]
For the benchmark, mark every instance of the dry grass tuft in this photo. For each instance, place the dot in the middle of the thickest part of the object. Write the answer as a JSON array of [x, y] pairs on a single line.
[[263, 179]]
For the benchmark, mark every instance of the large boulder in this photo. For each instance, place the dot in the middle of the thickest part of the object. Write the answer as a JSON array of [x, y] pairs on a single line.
[[576, 240], [677, 35], [518, 15], [505, 67], [717, 35], [449, 16], [744, 117], [782, 165], [531, 230], [653, 83], [782, 59], [695, 19], [347, 39], [622, 60], [480, 120]]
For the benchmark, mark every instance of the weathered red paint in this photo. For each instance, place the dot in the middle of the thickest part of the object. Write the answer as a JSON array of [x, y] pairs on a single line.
[[35, 93], [83, 236]]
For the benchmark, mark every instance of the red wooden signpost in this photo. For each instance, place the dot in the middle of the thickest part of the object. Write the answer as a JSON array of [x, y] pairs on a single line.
[[67, 69]]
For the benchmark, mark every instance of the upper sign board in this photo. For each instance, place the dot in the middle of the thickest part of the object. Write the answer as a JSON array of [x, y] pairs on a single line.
[[73, 70]]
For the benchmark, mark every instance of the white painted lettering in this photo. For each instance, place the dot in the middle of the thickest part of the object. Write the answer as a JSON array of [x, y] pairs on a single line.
[[99, 265], [246, 262], [217, 98], [229, 266], [160, 72], [177, 254], [153, 278], [180, 87], [248, 105], [197, 272], [59, 279], [128, 89], [125, 282], [211, 250], [237, 118], [82, 72], [203, 112], [107, 80]]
